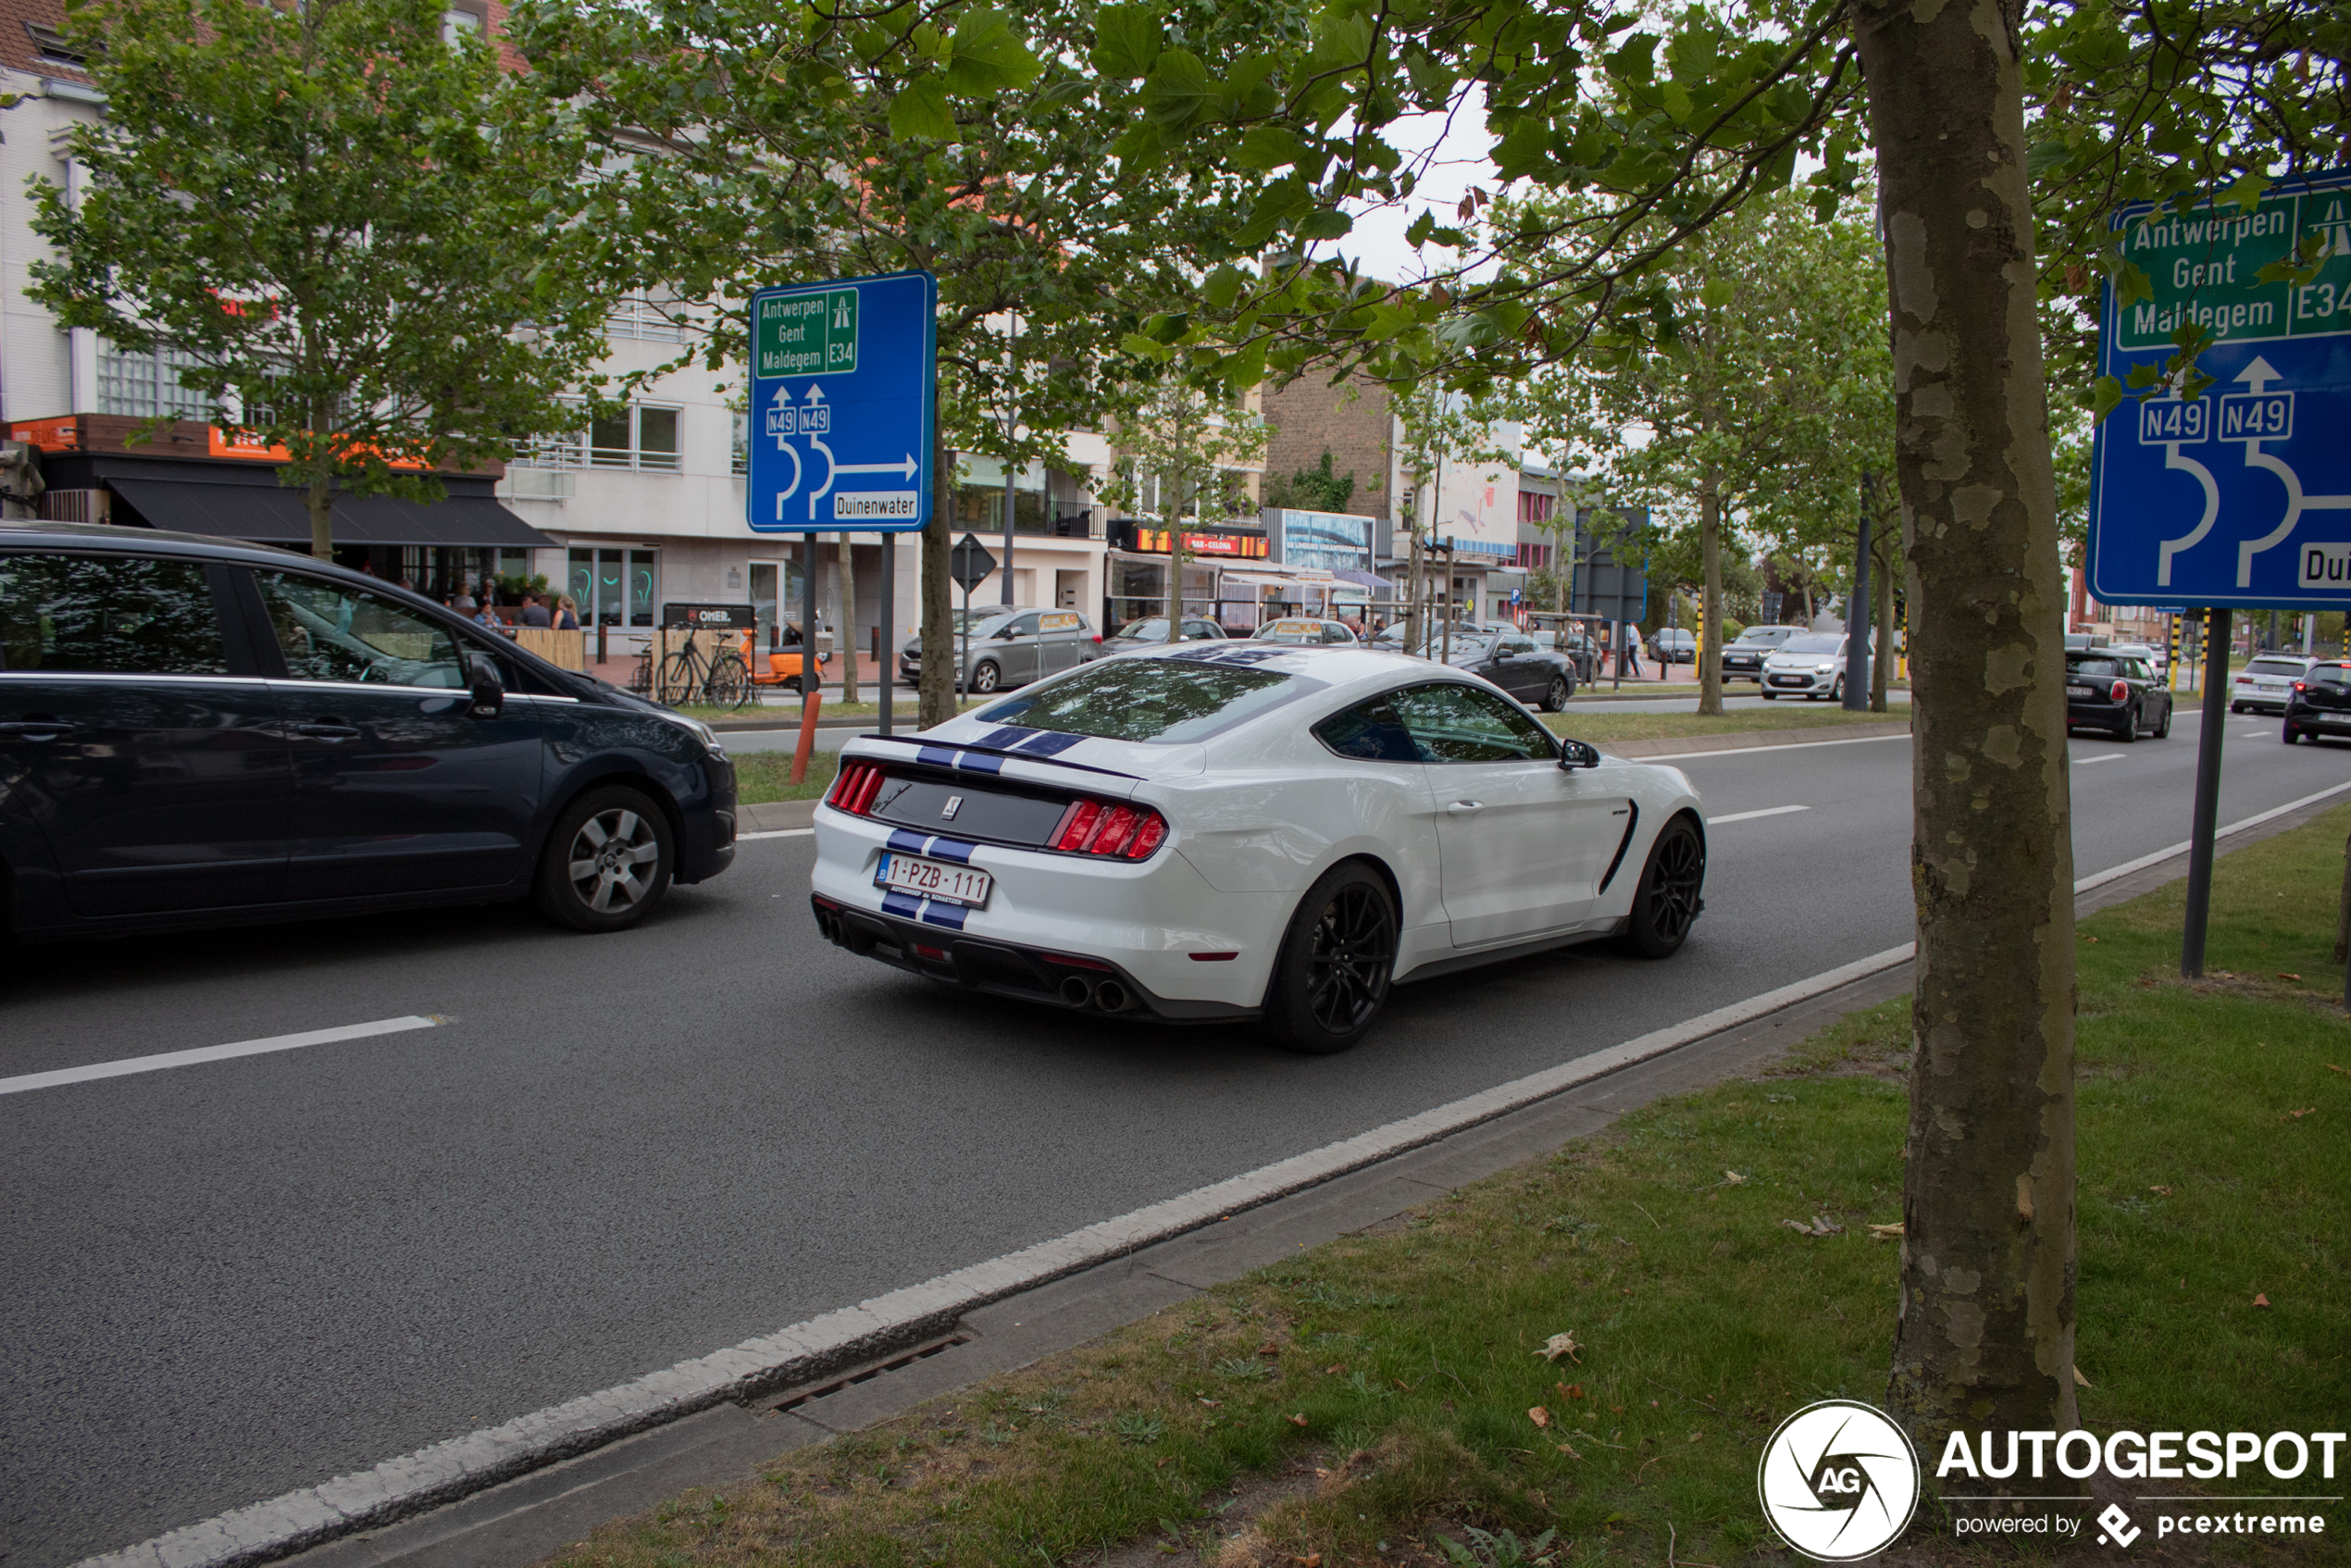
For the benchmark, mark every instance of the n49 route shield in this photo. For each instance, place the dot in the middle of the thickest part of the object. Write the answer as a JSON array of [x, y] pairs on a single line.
[[843, 406], [2241, 497]]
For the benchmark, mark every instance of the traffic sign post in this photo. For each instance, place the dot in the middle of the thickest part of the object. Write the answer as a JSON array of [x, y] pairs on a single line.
[[2240, 498], [843, 388]]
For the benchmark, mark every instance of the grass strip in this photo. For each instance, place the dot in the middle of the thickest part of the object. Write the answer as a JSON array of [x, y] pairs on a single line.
[[1597, 726], [765, 776], [1712, 1258]]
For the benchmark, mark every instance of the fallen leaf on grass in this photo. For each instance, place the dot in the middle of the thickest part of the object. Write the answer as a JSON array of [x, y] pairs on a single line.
[[1269, 1349], [1887, 1232], [1573, 1390], [1733, 1177], [2283, 976], [1297, 1421], [2160, 1191], [1311, 1560], [1559, 1346], [2261, 1300], [1567, 1449], [2297, 1115], [2344, 1071], [1210, 1403], [1697, 1436], [1820, 1225], [2081, 1380], [1538, 1415]]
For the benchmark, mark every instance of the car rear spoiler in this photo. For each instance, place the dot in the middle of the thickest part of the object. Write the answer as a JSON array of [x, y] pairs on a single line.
[[975, 756]]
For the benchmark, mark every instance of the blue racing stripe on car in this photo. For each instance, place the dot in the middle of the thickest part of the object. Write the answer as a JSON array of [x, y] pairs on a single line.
[[906, 906], [952, 849], [981, 761], [911, 843], [1048, 743], [1009, 736], [951, 915], [937, 757]]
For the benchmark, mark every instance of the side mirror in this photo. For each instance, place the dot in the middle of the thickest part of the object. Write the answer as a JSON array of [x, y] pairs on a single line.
[[1009, 633], [1578, 754], [488, 691]]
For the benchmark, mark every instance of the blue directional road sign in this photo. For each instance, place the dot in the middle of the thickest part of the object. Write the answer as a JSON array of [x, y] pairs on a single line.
[[843, 406], [2240, 498]]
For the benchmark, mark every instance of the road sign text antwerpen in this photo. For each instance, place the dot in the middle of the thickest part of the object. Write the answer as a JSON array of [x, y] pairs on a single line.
[[843, 406], [2240, 498]]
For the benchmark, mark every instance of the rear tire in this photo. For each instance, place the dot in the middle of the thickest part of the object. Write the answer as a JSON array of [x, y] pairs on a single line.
[[1337, 963], [2128, 730], [1671, 893], [607, 861], [2163, 731], [2292, 735], [1555, 697]]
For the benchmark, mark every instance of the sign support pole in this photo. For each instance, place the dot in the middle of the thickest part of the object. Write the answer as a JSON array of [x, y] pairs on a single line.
[[887, 656], [2208, 797]]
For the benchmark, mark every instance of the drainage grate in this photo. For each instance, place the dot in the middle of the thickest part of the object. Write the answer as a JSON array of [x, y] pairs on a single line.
[[800, 1397]]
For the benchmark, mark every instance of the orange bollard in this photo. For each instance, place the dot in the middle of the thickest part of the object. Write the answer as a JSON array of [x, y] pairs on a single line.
[[807, 736]]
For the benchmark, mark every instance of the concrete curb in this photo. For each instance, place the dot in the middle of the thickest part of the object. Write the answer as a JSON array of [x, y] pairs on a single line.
[[264, 1531]]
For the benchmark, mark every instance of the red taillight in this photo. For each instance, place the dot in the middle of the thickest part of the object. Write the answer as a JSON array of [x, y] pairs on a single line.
[[2121, 691], [854, 790], [2302, 685], [1125, 832]]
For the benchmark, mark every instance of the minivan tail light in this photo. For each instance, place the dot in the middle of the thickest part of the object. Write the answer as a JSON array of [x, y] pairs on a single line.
[[1109, 831], [2121, 691]]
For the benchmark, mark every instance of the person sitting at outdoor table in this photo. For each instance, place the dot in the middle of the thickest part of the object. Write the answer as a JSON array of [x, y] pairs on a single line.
[[489, 618], [567, 614], [534, 613]]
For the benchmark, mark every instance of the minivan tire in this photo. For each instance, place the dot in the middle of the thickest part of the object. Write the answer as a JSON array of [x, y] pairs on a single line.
[[607, 833], [986, 677]]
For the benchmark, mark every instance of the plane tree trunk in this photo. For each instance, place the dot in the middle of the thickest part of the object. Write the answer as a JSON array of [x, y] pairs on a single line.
[[935, 693], [1985, 1337]]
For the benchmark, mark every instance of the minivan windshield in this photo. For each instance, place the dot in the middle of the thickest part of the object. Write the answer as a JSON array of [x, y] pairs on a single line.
[[1815, 642], [1165, 702]]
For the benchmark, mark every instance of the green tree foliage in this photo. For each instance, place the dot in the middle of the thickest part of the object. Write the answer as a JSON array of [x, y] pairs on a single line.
[[364, 238], [753, 144]]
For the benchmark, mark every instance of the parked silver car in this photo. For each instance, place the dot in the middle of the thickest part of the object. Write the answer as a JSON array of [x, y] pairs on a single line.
[[1009, 648]]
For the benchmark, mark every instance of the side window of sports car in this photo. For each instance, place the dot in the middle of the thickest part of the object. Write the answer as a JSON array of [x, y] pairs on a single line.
[[1368, 732], [1454, 723]]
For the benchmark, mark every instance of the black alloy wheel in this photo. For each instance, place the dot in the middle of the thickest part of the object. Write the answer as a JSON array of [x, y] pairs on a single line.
[[1671, 894], [1337, 963]]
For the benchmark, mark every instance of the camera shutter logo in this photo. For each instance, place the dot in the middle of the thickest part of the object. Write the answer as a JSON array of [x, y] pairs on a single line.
[[1838, 1480]]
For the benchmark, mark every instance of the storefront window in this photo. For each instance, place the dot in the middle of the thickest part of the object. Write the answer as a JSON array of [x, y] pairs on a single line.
[[613, 587]]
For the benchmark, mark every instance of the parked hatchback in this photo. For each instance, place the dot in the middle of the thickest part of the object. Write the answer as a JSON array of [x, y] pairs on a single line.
[[1809, 665], [2266, 682], [2320, 703], [2106, 689], [197, 732], [1010, 648]]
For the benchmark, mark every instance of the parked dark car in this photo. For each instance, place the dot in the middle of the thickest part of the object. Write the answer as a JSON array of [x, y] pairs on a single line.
[[199, 732], [1509, 658], [1743, 657], [2116, 691], [2320, 703], [1152, 631]]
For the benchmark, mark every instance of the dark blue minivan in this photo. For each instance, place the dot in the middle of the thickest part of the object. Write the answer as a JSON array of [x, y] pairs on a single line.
[[197, 732]]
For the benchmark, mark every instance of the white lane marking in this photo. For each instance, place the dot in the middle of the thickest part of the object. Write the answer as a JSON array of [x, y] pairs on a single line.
[[2102, 756], [777, 833], [462, 1465], [129, 1064], [2117, 873], [1751, 815], [1749, 750]]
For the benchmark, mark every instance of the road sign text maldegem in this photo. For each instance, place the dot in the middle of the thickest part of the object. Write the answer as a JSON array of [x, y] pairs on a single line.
[[2205, 266], [811, 335]]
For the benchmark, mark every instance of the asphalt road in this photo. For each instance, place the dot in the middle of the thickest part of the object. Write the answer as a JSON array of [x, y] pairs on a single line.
[[228, 1280]]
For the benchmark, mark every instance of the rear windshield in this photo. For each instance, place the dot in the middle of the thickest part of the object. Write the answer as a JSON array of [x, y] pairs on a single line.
[[1814, 643], [2274, 667], [1167, 701], [2079, 665]]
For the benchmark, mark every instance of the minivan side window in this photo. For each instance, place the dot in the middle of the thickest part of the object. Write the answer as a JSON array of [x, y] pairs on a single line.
[[108, 615], [330, 632]]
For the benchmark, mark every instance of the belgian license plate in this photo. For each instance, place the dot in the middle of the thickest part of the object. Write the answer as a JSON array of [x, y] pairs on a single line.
[[2081, 692], [935, 878]]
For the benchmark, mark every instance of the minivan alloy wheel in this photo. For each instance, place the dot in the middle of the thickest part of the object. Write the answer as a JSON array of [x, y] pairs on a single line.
[[612, 860]]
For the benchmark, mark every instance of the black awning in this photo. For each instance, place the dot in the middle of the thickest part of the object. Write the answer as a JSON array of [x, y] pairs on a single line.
[[271, 513]]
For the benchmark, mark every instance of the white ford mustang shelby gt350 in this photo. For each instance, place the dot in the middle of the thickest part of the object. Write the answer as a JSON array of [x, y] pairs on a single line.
[[1229, 831]]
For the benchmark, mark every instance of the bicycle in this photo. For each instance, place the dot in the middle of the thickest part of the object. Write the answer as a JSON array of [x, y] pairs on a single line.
[[720, 679]]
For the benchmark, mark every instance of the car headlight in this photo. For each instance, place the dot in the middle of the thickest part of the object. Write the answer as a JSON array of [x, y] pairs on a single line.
[[700, 731], [1824, 666]]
